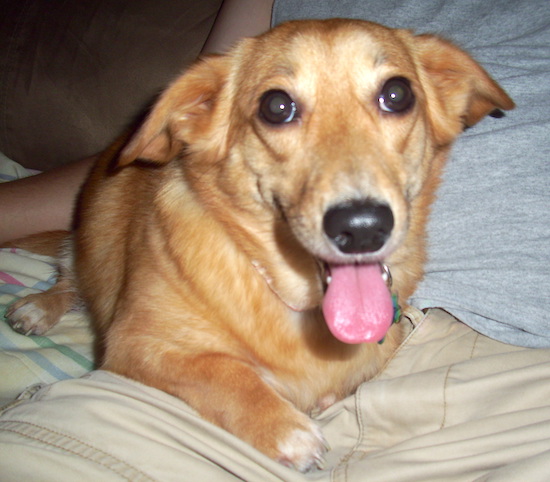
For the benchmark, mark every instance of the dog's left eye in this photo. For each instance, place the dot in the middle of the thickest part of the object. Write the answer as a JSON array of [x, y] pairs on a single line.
[[277, 107], [396, 95]]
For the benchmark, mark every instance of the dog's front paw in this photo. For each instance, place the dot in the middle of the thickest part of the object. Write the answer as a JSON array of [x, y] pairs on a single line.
[[303, 449], [29, 316]]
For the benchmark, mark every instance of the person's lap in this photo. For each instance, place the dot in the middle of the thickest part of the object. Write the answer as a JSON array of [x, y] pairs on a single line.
[[452, 404]]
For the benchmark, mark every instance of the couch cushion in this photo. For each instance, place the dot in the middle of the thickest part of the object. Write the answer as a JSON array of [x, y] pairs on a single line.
[[73, 75]]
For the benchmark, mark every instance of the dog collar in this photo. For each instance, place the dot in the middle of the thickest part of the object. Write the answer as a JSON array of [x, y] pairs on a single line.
[[386, 274]]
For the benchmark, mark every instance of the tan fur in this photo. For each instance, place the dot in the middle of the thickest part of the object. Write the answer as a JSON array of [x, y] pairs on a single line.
[[200, 266], [46, 244]]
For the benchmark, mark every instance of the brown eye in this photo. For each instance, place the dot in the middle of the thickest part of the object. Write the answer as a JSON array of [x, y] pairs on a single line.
[[396, 95], [277, 107]]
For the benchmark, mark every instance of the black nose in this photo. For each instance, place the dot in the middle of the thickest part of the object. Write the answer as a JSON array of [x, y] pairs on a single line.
[[361, 226]]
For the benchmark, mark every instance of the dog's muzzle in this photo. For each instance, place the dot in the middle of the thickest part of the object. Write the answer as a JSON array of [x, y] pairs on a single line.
[[358, 305]]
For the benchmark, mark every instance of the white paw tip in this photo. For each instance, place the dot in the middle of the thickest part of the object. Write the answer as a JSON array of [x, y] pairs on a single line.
[[303, 450]]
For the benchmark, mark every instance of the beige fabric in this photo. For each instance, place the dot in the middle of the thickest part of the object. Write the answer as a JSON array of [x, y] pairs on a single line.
[[451, 405], [454, 405]]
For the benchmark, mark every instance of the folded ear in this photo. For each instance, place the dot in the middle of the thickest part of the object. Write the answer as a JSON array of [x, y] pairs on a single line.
[[182, 114], [459, 91]]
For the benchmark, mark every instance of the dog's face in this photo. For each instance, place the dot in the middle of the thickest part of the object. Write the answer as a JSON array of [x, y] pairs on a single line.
[[337, 136], [337, 129]]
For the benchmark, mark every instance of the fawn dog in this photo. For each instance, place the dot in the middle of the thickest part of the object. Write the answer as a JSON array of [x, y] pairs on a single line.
[[235, 250]]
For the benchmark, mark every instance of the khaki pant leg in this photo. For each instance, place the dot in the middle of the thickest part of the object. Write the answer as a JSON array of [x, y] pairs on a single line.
[[451, 405], [103, 427]]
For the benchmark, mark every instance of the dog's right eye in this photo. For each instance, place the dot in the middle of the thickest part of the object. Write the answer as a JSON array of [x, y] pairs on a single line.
[[277, 107]]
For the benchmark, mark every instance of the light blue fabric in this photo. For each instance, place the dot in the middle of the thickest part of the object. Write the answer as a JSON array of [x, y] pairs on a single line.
[[489, 235]]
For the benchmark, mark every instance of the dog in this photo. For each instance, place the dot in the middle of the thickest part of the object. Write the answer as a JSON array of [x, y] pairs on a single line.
[[235, 251]]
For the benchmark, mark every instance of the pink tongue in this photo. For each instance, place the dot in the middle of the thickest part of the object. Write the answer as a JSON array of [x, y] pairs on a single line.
[[358, 307]]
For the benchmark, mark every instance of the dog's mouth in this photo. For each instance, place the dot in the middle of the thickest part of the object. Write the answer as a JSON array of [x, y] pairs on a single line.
[[357, 301], [358, 305]]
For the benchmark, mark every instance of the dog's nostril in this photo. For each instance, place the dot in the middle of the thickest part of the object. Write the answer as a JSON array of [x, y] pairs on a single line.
[[358, 226]]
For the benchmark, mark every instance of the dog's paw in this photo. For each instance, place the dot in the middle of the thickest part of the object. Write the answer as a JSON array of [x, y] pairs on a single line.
[[28, 316], [302, 449]]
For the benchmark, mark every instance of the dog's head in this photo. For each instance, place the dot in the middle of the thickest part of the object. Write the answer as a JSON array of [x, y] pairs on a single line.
[[325, 140]]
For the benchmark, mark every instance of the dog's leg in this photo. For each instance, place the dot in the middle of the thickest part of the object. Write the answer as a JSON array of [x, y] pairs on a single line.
[[37, 313], [230, 393]]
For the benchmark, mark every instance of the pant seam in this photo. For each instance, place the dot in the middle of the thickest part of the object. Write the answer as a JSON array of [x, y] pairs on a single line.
[[474, 346], [17, 426], [444, 396]]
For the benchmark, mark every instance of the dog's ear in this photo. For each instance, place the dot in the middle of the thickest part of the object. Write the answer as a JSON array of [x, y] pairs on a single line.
[[460, 92], [182, 114]]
